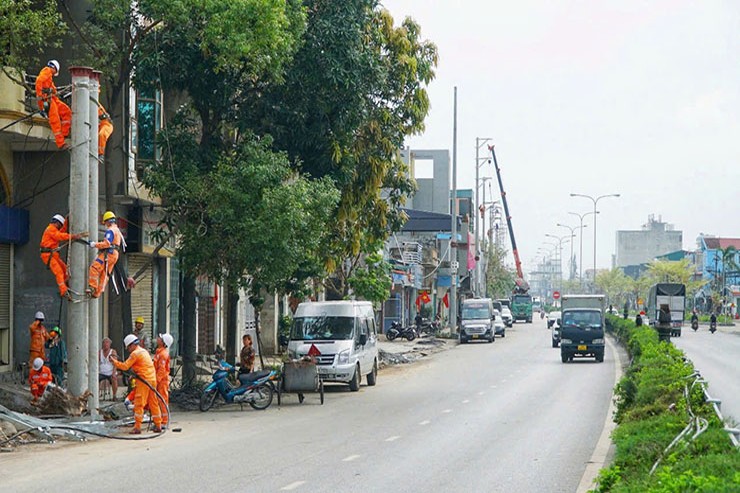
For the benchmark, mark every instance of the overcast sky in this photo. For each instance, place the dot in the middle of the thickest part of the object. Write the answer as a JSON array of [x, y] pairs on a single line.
[[632, 97]]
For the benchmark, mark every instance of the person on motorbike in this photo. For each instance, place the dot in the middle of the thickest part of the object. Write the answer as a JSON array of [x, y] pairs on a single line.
[[694, 319], [713, 322], [638, 319]]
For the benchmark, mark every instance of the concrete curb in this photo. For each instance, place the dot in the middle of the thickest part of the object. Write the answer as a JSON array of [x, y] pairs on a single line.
[[601, 453]]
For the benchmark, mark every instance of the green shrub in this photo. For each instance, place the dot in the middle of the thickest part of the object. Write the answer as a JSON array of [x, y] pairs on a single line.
[[651, 412]]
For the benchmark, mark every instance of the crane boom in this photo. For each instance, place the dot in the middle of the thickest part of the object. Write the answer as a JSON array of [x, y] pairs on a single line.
[[521, 285]]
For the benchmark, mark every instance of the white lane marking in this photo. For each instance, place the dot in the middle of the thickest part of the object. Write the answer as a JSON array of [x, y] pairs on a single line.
[[292, 485], [447, 411], [350, 458], [425, 422], [598, 458], [393, 438], [493, 386], [465, 401], [481, 392]]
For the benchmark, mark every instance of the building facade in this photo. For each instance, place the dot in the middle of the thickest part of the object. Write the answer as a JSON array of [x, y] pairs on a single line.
[[641, 246]]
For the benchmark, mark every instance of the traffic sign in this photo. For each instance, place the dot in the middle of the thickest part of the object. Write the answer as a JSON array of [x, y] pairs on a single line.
[[556, 295]]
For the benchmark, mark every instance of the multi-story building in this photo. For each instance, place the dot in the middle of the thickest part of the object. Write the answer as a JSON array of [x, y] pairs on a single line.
[[641, 246]]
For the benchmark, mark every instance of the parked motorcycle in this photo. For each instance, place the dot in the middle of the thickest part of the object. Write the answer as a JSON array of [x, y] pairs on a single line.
[[255, 389], [396, 330]]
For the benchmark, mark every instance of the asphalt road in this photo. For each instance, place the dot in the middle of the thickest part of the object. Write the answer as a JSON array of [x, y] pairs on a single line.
[[717, 357], [501, 417]]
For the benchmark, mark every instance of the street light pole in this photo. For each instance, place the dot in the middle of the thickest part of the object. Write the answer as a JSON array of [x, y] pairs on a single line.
[[479, 142], [580, 254], [559, 245], [572, 235], [595, 201]]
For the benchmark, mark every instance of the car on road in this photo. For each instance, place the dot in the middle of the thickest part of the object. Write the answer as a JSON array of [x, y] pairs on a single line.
[[553, 323], [499, 326], [477, 320], [506, 316]]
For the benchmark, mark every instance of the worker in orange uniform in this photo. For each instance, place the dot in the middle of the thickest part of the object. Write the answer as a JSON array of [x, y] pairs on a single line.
[[162, 366], [141, 363], [54, 234], [105, 129], [59, 114], [104, 263], [38, 378], [39, 336]]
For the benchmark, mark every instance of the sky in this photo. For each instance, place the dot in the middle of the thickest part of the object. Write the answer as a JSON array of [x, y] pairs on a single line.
[[638, 98]]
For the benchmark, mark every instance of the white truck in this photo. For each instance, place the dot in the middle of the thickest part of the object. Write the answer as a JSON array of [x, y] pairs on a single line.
[[582, 326]]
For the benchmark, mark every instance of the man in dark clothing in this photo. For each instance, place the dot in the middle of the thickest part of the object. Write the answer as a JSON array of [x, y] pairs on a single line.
[[57, 354]]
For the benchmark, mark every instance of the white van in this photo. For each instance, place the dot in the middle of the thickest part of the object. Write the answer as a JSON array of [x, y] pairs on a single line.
[[343, 334]]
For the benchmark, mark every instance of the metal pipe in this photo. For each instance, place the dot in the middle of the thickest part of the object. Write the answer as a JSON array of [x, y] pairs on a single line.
[[93, 308], [79, 192]]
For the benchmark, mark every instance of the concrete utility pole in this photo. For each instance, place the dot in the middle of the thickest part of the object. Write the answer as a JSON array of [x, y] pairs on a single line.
[[79, 193], [478, 143], [453, 239], [93, 307]]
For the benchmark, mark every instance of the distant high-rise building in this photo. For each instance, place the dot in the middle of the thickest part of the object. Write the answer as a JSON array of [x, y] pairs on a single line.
[[654, 239]]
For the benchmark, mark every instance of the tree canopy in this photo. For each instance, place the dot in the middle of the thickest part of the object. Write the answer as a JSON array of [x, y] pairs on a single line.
[[27, 29]]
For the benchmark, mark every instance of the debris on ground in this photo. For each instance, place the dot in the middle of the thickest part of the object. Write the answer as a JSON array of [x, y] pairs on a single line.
[[56, 400], [186, 398]]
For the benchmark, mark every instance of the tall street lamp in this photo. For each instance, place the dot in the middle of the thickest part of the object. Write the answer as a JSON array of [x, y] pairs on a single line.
[[595, 201], [559, 245], [580, 255], [572, 235]]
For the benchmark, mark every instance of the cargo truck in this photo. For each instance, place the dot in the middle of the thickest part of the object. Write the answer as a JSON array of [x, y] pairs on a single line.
[[582, 326], [672, 295], [521, 307]]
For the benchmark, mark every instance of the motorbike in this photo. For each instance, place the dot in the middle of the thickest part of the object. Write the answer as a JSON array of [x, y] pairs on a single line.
[[542, 314], [712, 327], [255, 388], [695, 325], [396, 330]]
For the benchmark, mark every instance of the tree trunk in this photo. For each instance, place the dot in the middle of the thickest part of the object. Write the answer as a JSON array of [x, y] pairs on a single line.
[[233, 305], [189, 330]]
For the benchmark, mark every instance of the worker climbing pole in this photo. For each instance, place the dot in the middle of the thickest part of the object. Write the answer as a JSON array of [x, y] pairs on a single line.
[[58, 113], [51, 243], [105, 262]]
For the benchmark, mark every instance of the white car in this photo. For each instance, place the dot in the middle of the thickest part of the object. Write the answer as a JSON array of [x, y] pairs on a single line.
[[499, 326], [506, 316], [553, 323]]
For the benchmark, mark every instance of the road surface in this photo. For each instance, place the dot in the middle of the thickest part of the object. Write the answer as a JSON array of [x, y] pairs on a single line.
[[717, 357], [501, 417]]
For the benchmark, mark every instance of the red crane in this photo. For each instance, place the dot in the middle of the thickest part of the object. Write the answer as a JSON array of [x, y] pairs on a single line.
[[522, 287]]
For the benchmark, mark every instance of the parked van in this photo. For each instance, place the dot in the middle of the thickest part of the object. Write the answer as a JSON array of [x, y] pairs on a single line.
[[476, 320], [344, 336]]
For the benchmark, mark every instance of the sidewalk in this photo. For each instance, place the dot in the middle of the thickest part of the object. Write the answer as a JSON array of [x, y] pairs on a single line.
[[401, 351]]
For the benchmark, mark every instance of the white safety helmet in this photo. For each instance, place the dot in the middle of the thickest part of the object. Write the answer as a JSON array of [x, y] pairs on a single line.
[[130, 339], [59, 218], [37, 364], [55, 65], [167, 339], [39, 316]]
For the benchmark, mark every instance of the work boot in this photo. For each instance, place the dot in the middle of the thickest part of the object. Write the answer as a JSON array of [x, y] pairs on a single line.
[[135, 431], [157, 429]]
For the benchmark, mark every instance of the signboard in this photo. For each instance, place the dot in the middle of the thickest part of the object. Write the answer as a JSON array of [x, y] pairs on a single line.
[[556, 295]]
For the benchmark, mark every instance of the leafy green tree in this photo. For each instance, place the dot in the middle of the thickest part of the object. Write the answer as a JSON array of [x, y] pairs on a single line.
[[372, 281], [222, 186], [354, 91], [500, 279], [680, 271], [615, 285], [27, 29]]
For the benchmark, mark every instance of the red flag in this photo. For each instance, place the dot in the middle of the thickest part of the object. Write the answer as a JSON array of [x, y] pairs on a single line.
[[215, 295], [314, 351], [425, 297], [446, 300]]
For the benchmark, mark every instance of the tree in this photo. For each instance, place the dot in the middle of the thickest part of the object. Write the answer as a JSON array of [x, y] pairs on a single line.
[[615, 285], [27, 29], [499, 278], [354, 91], [680, 272], [222, 186], [372, 281]]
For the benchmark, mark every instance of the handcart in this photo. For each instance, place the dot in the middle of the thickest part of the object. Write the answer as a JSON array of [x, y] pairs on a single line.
[[300, 377]]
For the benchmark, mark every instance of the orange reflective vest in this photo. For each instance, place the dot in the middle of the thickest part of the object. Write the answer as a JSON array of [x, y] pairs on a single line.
[[45, 87], [52, 237], [139, 361], [162, 364], [39, 336], [39, 379]]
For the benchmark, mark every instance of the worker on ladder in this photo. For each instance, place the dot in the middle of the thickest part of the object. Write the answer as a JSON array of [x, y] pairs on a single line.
[[103, 265], [58, 113], [54, 234]]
